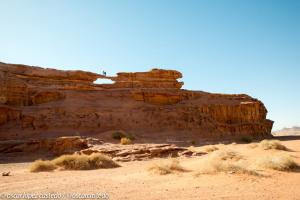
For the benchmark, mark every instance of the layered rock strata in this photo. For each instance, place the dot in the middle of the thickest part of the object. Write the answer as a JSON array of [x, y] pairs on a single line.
[[52, 147], [55, 146], [37, 102]]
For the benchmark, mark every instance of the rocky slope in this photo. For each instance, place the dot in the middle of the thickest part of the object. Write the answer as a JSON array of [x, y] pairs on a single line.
[[37, 102]]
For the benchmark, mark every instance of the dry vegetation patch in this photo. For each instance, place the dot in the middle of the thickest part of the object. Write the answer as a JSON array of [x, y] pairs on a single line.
[[75, 162], [42, 166], [281, 162], [224, 161], [125, 141], [272, 144], [171, 166]]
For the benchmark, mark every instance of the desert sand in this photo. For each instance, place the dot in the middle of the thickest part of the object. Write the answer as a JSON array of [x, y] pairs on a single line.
[[133, 180]]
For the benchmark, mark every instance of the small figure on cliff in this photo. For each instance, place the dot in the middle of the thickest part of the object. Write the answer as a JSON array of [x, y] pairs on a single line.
[[104, 73]]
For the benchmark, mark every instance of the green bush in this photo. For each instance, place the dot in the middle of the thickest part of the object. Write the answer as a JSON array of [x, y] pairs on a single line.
[[193, 142], [118, 135], [246, 139], [130, 136]]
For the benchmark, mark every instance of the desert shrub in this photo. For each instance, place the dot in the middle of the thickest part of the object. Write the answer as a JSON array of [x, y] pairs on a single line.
[[210, 148], [246, 139], [279, 162], [118, 135], [125, 141], [75, 162], [193, 142], [101, 161], [85, 162], [172, 166], [130, 136], [42, 166], [272, 144], [160, 169], [227, 155], [224, 161]]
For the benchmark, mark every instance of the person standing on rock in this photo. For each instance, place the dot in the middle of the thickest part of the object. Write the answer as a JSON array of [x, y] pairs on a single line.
[[104, 73]]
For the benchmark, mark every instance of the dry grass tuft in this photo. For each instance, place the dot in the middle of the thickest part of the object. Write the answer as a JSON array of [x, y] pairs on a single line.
[[224, 161], [125, 141], [279, 162], [42, 166], [85, 162], [227, 155], [272, 144], [75, 162], [172, 166], [210, 148]]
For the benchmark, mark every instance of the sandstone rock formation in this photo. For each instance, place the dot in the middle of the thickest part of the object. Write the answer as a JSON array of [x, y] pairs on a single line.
[[37, 103], [125, 153], [55, 146], [49, 147]]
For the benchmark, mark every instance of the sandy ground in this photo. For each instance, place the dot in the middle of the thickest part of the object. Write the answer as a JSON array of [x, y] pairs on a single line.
[[134, 181]]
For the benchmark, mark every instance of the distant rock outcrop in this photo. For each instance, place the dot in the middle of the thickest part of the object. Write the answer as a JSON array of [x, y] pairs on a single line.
[[37, 102], [287, 131]]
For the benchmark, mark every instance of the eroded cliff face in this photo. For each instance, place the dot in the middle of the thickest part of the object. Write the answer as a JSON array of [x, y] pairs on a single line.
[[38, 102]]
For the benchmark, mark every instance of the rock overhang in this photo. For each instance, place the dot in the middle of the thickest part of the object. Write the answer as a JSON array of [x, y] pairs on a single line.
[[49, 100]]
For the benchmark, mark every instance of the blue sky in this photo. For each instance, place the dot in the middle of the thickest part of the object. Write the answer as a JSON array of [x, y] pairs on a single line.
[[224, 46]]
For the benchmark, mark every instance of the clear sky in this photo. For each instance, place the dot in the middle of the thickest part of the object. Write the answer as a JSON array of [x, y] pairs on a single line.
[[224, 46]]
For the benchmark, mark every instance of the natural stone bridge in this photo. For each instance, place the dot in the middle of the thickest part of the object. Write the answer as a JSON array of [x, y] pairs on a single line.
[[38, 102]]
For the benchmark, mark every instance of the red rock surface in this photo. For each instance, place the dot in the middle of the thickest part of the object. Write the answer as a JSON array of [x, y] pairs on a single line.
[[37, 102], [56, 146]]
